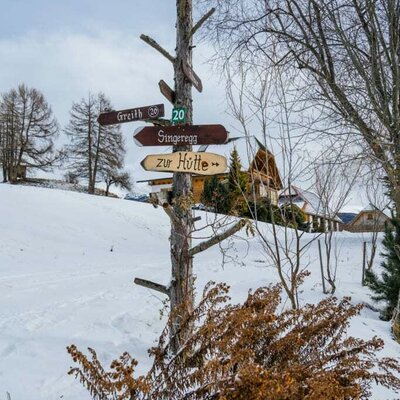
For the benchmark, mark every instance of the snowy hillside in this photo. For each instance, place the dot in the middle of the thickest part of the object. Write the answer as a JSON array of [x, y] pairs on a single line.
[[67, 264]]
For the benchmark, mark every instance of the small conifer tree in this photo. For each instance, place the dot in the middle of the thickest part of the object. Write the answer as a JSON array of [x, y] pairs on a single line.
[[216, 195], [386, 287], [237, 183], [210, 186]]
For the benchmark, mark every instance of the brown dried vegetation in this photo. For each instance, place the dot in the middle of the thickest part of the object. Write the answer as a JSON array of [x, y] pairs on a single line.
[[251, 351]]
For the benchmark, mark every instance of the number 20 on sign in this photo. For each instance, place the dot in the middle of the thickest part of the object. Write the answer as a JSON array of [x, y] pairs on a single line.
[[178, 115]]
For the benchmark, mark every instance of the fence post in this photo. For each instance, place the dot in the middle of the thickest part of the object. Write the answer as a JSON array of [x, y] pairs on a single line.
[[322, 267], [363, 263]]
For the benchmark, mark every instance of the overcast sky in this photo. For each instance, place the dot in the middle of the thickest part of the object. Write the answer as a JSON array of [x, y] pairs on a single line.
[[68, 48]]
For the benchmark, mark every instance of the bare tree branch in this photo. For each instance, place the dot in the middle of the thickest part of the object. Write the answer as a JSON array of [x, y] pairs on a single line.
[[152, 285], [218, 238], [151, 42], [201, 21], [171, 214]]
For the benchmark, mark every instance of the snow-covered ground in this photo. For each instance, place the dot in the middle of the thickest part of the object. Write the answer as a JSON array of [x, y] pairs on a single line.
[[67, 264]]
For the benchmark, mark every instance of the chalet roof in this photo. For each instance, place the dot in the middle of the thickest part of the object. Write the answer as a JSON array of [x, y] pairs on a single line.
[[368, 210], [308, 201], [247, 148], [372, 208]]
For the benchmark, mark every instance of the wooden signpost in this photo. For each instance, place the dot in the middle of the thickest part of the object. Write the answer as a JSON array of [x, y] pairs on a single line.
[[183, 162], [180, 135], [192, 76], [167, 91], [186, 161], [132, 114]]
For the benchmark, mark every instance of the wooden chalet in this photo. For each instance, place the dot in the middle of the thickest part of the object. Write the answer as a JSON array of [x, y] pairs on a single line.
[[369, 219], [318, 218], [264, 179]]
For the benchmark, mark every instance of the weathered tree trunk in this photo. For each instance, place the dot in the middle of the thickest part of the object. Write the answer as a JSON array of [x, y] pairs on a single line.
[[90, 161], [96, 160], [182, 266], [396, 321]]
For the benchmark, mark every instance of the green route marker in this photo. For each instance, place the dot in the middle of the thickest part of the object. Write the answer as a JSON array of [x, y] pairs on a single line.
[[178, 115]]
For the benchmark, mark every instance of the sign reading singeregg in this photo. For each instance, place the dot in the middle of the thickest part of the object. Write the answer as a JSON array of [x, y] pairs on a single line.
[[180, 135], [186, 161], [131, 114]]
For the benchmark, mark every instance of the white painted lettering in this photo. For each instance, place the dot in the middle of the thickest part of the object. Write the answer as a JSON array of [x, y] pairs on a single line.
[[175, 139]]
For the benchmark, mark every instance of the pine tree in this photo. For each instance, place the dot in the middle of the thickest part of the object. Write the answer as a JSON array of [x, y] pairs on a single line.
[[216, 195], [387, 286], [210, 185], [96, 152], [237, 183]]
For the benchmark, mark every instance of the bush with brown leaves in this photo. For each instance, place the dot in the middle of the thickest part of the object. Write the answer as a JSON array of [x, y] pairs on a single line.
[[252, 351]]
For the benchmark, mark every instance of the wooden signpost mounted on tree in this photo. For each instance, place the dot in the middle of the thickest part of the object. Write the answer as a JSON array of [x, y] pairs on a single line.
[[181, 289]]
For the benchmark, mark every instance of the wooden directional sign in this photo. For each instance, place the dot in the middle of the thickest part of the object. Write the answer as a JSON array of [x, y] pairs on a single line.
[[180, 135], [132, 114], [167, 91], [191, 75], [185, 161]]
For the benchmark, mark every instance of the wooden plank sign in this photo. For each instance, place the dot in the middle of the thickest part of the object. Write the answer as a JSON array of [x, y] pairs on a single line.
[[185, 161], [180, 135], [132, 114], [167, 91], [192, 76]]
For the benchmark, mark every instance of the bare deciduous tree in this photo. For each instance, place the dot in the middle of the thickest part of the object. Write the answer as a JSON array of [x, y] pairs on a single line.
[[257, 102], [375, 194], [346, 54], [96, 152], [27, 132], [333, 185], [118, 178]]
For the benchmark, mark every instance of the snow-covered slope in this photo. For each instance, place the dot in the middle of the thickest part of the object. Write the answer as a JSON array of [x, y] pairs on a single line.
[[67, 264]]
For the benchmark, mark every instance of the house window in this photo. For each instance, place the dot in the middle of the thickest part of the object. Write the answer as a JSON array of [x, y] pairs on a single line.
[[262, 191], [370, 217]]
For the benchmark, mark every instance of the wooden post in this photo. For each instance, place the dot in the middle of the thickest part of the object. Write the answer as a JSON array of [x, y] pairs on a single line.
[[363, 263], [322, 267], [181, 289]]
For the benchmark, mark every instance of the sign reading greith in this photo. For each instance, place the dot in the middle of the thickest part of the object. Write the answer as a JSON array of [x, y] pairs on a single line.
[[180, 135], [184, 161], [132, 114]]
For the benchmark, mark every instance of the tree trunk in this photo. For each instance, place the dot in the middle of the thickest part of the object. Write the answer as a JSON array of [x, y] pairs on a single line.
[[396, 321], [90, 161], [96, 159], [182, 265]]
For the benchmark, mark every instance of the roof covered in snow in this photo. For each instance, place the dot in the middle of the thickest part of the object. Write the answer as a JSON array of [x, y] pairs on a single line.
[[308, 201]]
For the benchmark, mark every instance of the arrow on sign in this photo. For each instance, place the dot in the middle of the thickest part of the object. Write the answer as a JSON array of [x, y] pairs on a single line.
[[180, 135], [185, 161]]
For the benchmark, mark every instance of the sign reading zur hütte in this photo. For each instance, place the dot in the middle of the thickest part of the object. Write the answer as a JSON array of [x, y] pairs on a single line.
[[185, 161], [180, 135], [131, 114]]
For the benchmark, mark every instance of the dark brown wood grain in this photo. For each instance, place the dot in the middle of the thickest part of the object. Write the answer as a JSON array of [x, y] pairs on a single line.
[[131, 114], [192, 76], [181, 135], [168, 93]]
